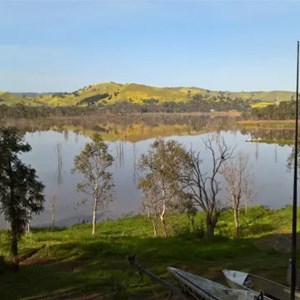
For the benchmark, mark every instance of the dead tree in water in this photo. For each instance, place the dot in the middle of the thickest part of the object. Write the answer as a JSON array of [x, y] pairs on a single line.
[[53, 209], [59, 163]]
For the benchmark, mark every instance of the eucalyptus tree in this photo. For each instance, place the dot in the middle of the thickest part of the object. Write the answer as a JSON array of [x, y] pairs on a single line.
[[162, 166], [239, 185], [151, 206], [93, 163], [21, 194], [202, 184]]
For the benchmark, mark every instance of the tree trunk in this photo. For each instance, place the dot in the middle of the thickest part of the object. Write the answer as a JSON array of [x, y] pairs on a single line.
[[163, 221], [14, 244], [236, 221], [28, 227], [154, 228], [192, 223], [94, 216], [210, 226], [14, 250]]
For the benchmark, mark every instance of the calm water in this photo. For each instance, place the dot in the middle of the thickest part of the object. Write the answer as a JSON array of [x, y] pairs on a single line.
[[272, 181]]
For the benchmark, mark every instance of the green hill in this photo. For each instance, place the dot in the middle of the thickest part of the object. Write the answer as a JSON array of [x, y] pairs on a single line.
[[111, 93]]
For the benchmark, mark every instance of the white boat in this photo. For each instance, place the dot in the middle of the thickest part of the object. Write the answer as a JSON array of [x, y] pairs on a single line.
[[205, 289], [271, 289]]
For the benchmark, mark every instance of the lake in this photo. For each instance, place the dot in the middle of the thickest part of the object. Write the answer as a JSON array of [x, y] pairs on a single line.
[[272, 181]]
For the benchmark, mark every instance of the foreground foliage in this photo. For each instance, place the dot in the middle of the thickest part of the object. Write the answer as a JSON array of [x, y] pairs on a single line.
[[74, 264], [21, 194]]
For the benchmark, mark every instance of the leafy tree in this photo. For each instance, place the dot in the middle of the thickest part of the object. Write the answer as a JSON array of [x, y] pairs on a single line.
[[21, 194], [92, 163], [162, 166]]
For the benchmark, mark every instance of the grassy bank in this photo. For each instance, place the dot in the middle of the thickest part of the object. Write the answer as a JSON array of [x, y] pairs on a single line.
[[280, 132], [73, 264], [268, 124]]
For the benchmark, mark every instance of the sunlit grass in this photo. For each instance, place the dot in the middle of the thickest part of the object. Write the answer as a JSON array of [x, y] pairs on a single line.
[[75, 263], [261, 104]]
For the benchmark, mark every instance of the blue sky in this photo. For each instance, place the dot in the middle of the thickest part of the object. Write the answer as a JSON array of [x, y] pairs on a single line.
[[218, 45]]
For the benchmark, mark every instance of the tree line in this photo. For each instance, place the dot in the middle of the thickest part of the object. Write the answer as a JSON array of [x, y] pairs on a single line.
[[283, 111], [30, 112], [176, 180], [197, 103]]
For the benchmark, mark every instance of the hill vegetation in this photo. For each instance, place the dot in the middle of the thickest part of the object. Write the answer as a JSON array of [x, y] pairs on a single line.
[[280, 111], [110, 94]]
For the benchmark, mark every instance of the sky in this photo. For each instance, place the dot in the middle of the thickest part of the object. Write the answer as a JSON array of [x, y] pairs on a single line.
[[62, 46]]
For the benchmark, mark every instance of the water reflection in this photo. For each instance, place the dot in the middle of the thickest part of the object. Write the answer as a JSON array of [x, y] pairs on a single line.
[[59, 177], [272, 181], [132, 127], [282, 136]]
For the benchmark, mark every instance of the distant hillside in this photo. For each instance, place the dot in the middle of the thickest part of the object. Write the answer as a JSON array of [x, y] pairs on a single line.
[[111, 93], [29, 94]]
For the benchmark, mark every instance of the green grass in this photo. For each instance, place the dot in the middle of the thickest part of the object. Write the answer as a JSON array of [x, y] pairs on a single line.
[[73, 263]]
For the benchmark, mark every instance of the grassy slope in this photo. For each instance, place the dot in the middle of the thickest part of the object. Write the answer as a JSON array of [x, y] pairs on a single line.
[[10, 99], [75, 264], [137, 93], [271, 96]]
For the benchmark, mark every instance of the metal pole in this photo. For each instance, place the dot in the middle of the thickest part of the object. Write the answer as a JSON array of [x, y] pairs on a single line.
[[294, 222]]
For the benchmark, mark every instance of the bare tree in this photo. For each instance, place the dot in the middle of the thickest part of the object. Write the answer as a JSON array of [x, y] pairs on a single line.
[[92, 163], [239, 185], [203, 185], [291, 158], [162, 165], [135, 167], [120, 157]]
